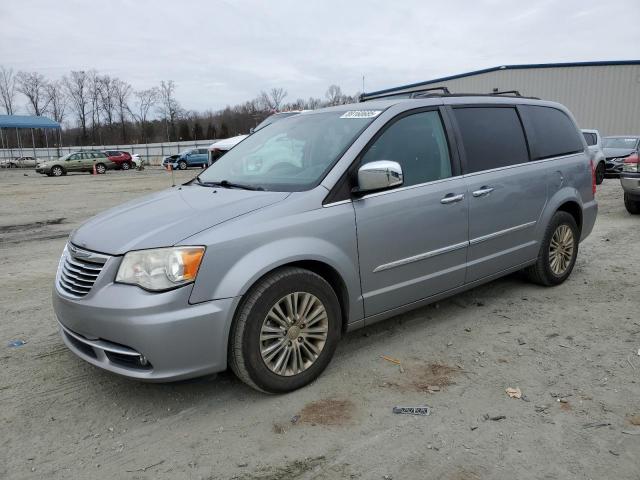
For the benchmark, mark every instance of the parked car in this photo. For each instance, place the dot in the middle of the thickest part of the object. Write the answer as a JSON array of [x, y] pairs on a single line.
[[219, 148], [22, 162], [264, 260], [137, 161], [123, 160], [76, 162], [630, 181], [616, 149], [195, 157], [594, 142], [171, 159]]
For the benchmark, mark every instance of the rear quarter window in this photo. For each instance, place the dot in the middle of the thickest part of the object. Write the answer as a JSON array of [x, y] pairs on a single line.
[[553, 132], [492, 137]]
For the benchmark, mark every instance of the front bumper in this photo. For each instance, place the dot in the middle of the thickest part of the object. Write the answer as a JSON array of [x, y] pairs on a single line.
[[630, 183], [613, 167], [115, 325]]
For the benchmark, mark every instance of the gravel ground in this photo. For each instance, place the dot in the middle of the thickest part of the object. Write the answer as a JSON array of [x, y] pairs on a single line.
[[571, 350]]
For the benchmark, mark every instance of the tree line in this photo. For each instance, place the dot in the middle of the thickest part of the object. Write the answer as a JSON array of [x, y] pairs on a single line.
[[99, 109]]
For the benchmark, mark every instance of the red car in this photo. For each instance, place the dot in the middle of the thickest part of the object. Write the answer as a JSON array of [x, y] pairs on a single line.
[[122, 159]]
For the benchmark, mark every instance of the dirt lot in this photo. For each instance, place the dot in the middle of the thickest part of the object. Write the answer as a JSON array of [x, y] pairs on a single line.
[[572, 350]]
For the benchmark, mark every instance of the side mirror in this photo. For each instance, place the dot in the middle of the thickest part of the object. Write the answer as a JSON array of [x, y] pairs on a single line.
[[379, 175]]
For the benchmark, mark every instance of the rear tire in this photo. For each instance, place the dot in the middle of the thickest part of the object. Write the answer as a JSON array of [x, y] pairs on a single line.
[[558, 251], [600, 173], [633, 206], [269, 349], [101, 168]]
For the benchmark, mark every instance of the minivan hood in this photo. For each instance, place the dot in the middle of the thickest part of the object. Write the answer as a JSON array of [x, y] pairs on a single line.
[[165, 218], [617, 152]]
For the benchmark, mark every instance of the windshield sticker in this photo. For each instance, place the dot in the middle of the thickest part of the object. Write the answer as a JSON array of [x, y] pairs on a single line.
[[361, 114]]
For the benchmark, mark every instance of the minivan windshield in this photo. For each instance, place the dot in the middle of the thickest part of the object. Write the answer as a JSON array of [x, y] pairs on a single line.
[[620, 142], [293, 154]]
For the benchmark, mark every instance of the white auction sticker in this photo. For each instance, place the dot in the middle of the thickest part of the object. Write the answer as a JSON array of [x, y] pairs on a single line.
[[361, 114]]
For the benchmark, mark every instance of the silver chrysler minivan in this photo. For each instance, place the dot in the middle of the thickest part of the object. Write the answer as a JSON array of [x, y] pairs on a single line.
[[322, 223]]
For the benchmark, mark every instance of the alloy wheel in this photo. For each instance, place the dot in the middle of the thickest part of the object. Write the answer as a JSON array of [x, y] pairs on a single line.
[[561, 249], [57, 171], [293, 333]]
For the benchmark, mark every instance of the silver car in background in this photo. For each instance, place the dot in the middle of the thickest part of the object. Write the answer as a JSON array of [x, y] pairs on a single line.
[[616, 150], [594, 142], [322, 223]]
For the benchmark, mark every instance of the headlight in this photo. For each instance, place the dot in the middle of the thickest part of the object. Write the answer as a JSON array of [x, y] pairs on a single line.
[[160, 268], [631, 163]]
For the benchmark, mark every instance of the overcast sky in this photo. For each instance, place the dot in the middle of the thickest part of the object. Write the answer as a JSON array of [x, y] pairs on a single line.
[[222, 52]]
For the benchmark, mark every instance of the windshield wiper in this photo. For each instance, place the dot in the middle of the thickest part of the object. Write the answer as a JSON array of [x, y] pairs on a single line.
[[228, 184], [200, 182]]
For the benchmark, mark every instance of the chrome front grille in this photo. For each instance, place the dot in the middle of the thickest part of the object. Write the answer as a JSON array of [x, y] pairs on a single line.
[[79, 269]]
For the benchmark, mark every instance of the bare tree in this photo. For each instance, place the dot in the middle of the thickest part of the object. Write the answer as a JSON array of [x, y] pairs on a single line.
[[273, 100], [313, 103], [169, 107], [334, 95], [145, 100], [7, 89], [121, 93], [57, 99], [33, 86], [77, 87], [94, 87], [107, 98]]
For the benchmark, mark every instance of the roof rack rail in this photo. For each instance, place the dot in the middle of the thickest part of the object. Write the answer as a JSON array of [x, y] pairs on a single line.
[[515, 93], [441, 92], [423, 92]]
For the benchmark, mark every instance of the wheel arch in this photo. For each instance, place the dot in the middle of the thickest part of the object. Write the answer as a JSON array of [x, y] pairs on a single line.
[[572, 208], [565, 200], [333, 278]]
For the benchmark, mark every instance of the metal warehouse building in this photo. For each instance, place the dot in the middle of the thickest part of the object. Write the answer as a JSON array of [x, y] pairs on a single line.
[[602, 95]]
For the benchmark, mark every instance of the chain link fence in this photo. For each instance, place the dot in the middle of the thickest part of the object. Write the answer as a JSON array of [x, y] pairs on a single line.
[[150, 153]]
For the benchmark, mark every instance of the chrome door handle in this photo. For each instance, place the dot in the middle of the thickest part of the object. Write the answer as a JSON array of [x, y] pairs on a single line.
[[482, 192], [451, 198]]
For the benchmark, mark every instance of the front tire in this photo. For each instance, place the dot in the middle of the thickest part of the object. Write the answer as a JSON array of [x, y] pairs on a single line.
[[126, 165], [182, 165], [285, 331], [600, 173], [633, 206], [558, 251], [57, 171]]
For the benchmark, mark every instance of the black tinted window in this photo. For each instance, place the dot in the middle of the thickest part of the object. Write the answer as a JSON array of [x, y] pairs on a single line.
[[554, 132], [590, 138], [418, 143], [492, 137]]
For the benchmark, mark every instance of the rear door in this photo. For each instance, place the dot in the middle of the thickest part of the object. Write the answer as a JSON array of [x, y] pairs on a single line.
[[412, 240], [506, 192], [88, 159], [203, 156]]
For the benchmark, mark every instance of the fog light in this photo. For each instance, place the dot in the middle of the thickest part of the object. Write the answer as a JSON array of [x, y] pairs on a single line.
[[143, 360]]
